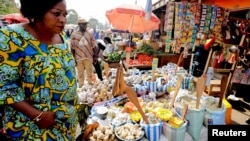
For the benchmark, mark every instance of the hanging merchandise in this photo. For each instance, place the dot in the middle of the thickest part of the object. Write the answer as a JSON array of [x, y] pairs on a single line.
[[192, 28], [178, 28], [191, 21], [169, 21], [196, 24]]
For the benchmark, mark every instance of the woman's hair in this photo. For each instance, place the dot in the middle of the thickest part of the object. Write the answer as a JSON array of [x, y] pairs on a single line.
[[107, 39], [36, 9]]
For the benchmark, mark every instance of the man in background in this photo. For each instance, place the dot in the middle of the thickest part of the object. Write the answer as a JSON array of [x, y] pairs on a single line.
[[82, 44]]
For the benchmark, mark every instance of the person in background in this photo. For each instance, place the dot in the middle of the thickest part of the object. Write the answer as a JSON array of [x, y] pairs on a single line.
[[109, 46], [96, 34], [82, 45], [38, 80], [101, 35], [109, 49], [69, 32], [130, 42], [98, 53]]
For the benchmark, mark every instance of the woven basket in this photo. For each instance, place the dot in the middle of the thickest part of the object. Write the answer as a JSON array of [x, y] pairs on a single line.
[[113, 64]]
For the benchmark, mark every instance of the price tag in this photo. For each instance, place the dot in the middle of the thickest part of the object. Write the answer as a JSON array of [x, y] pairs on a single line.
[[155, 63]]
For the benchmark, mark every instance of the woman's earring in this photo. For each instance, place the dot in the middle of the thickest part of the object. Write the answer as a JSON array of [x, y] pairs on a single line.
[[32, 20]]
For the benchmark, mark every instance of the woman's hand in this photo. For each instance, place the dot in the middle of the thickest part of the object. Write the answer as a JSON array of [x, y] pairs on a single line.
[[47, 120]]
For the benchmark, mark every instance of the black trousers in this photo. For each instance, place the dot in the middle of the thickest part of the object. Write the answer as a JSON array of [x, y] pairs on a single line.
[[243, 91], [98, 70]]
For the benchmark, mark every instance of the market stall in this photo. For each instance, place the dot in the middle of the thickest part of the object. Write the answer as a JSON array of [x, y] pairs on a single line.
[[159, 102], [119, 112]]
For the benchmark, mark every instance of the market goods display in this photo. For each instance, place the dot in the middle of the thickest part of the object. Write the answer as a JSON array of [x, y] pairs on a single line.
[[133, 79], [176, 121], [156, 109], [152, 105], [114, 57], [146, 48], [129, 131], [184, 23], [174, 134], [130, 107], [89, 128], [190, 101], [195, 115], [152, 130], [214, 115], [121, 118], [102, 133], [135, 116], [143, 56], [102, 112], [212, 104], [163, 114], [100, 91]]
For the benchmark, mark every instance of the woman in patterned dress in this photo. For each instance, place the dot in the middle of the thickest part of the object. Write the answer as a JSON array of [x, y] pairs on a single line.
[[37, 75]]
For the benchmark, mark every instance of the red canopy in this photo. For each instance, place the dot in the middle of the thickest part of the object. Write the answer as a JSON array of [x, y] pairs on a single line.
[[131, 18], [15, 18]]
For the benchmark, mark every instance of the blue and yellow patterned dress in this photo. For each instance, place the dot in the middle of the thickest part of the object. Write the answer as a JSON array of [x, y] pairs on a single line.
[[42, 74]]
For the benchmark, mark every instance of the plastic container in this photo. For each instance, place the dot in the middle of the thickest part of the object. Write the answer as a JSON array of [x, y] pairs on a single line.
[[228, 118], [174, 134]]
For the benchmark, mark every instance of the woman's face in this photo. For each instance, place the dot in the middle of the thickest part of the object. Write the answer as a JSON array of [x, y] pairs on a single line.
[[55, 19]]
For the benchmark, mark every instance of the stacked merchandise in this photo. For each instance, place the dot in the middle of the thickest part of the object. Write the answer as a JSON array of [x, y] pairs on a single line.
[[178, 30], [204, 29], [190, 26], [194, 23], [210, 26], [169, 23]]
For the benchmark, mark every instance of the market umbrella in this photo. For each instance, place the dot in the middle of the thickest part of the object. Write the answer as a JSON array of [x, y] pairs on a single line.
[[229, 4], [131, 18], [15, 18]]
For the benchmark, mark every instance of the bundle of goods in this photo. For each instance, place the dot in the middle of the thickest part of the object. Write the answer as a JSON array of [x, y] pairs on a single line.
[[153, 130], [99, 91], [146, 49], [102, 133], [114, 59], [135, 79], [129, 131], [175, 128], [159, 109], [143, 55], [214, 115], [195, 114], [144, 58], [120, 119]]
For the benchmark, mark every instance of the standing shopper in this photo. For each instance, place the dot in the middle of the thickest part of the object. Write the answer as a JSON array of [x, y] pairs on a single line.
[[37, 79], [109, 49], [98, 51], [82, 46]]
